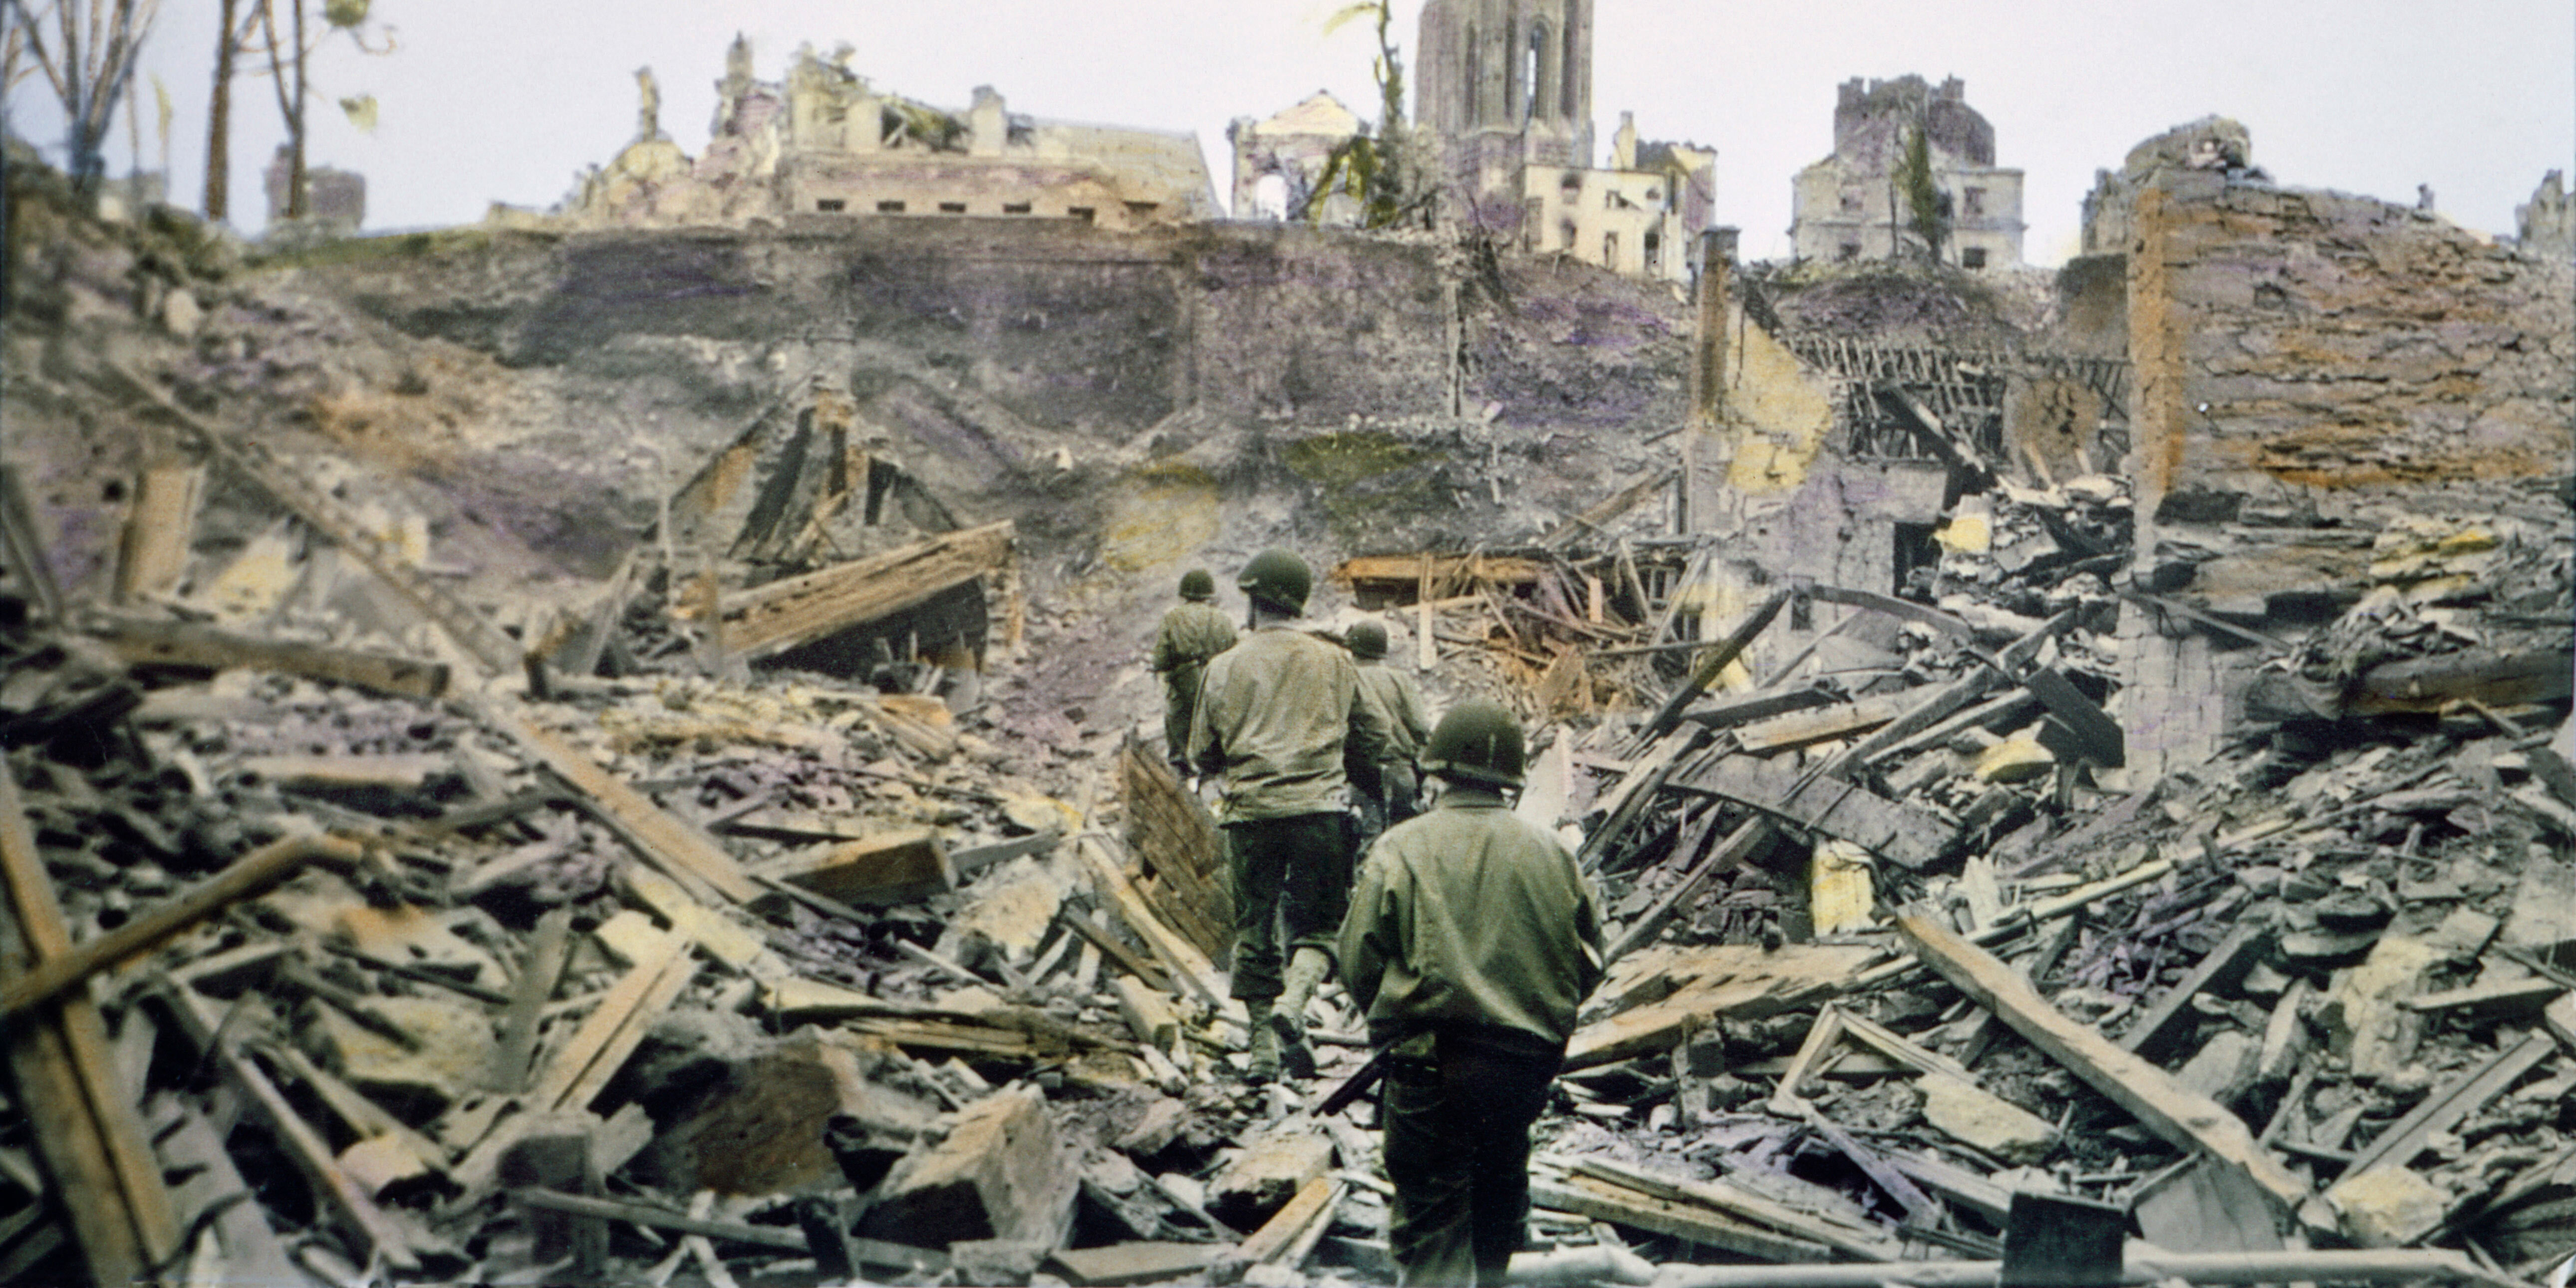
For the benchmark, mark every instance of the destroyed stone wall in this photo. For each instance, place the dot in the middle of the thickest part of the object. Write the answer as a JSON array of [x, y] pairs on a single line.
[[2303, 346]]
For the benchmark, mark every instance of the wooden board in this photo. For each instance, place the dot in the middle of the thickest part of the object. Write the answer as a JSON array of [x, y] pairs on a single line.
[[799, 610], [179, 644], [895, 866], [1898, 832], [683, 852], [1806, 728], [2161, 1104], [1602, 1201], [1736, 980]]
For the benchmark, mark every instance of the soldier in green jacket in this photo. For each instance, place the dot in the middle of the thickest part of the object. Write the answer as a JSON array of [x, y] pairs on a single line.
[[1470, 941], [1388, 788], [1276, 714], [1194, 631]]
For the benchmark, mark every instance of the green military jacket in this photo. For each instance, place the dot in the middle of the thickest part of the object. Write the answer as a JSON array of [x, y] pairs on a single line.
[[1274, 713], [1192, 633], [1467, 916], [1408, 726]]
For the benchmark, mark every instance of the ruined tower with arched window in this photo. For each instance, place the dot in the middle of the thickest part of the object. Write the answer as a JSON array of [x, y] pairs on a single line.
[[1504, 84]]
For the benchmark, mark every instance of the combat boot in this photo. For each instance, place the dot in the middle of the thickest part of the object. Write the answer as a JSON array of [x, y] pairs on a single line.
[[1288, 1022], [1265, 1044]]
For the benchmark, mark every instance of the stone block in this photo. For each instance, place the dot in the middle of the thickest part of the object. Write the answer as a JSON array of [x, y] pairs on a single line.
[[1271, 1169], [2388, 1206], [1979, 1118], [764, 1131], [1000, 1174]]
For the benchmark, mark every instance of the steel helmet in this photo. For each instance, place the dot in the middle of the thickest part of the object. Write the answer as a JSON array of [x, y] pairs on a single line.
[[1278, 578], [1367, 640], [1477, 742], [1197, 584]]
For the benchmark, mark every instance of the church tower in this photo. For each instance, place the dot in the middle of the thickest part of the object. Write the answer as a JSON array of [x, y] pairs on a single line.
[[1503, 84]]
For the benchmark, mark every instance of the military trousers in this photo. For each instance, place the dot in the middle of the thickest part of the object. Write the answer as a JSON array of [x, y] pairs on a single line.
[[1457, 1149], [1292, 883]]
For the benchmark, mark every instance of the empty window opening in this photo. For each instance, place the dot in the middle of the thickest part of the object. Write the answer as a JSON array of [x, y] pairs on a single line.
[[831, 204], [1654, 247], [1847, 252], [1143, 209], [1542, 74], [889, 207], [1015, 207], [1973, 257], [1565, 236], [1569, 64], [1852, 201], [1083, 213], [952, 207], [1972, 203], [1609, 250]]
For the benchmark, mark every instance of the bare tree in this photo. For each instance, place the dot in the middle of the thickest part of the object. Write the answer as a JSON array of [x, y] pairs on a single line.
[[87, 50], [252, 27]]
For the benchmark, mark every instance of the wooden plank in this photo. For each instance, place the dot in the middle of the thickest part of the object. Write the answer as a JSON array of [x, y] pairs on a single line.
[[247, 876], [683, 852], [2409, 1136], [1736, 1201], [1281, 1230], [1590, 1196], [84, 1118], [1413, 569], [2183, 1119], [1119, 955], [1890, 829], [895, 866], [2497, 677], [1729, 712], [1750, 987], [539, 972], [1806, 728], [2171, 1019], [2096, 733], [184, 644], [154, 555], [371, 1228], [1711, 663], [251, 1251], [798, 610], [784, 1238]]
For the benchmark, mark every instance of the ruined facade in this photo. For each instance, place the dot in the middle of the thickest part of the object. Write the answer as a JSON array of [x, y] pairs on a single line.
[[335, 200], [1506, 91], [1279, 160], [825, 141], [1852, 205], [2212, 144], [2547, 224]]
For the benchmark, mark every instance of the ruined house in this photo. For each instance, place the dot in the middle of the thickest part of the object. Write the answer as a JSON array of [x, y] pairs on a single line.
[[825, 141], [335, 200], [1852, 206], [1279, 160], [1506, 90]]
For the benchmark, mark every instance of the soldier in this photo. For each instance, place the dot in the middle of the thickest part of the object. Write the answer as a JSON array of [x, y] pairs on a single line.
[[1274, 717], [1387, 789], [1194, 631], [1471, 940]]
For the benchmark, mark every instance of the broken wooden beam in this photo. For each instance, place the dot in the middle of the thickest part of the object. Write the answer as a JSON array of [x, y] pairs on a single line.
[[2496, 677], [999, 1174], [1132, 1263], [251, 874], [2171, 1019], [2185, 1120], [783, 614], [1824, 724], [1746, 840], [85, 1122], [1893, 830], [2442, 1110], [1711, 663], [896, 866], [684, 853], [184, 644]]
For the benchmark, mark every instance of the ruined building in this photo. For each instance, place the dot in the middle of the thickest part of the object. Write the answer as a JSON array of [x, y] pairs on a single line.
[[1506, 89], [1278, 161], [2547, 226], [825, 141], [1852, 205], [335, 200]]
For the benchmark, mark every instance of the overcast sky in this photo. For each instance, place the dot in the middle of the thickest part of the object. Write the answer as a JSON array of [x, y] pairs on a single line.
[[505, 100]]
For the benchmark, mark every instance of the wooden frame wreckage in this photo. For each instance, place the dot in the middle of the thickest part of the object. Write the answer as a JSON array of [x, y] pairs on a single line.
[[429, 1072]]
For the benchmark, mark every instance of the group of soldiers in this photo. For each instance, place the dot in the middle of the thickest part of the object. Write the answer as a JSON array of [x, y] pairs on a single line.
[[1466, 936]]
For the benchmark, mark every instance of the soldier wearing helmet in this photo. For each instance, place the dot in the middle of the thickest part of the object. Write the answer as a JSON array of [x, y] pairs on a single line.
[[1194, 631], [1387, 788], [1471, 939], [1277, 713]]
